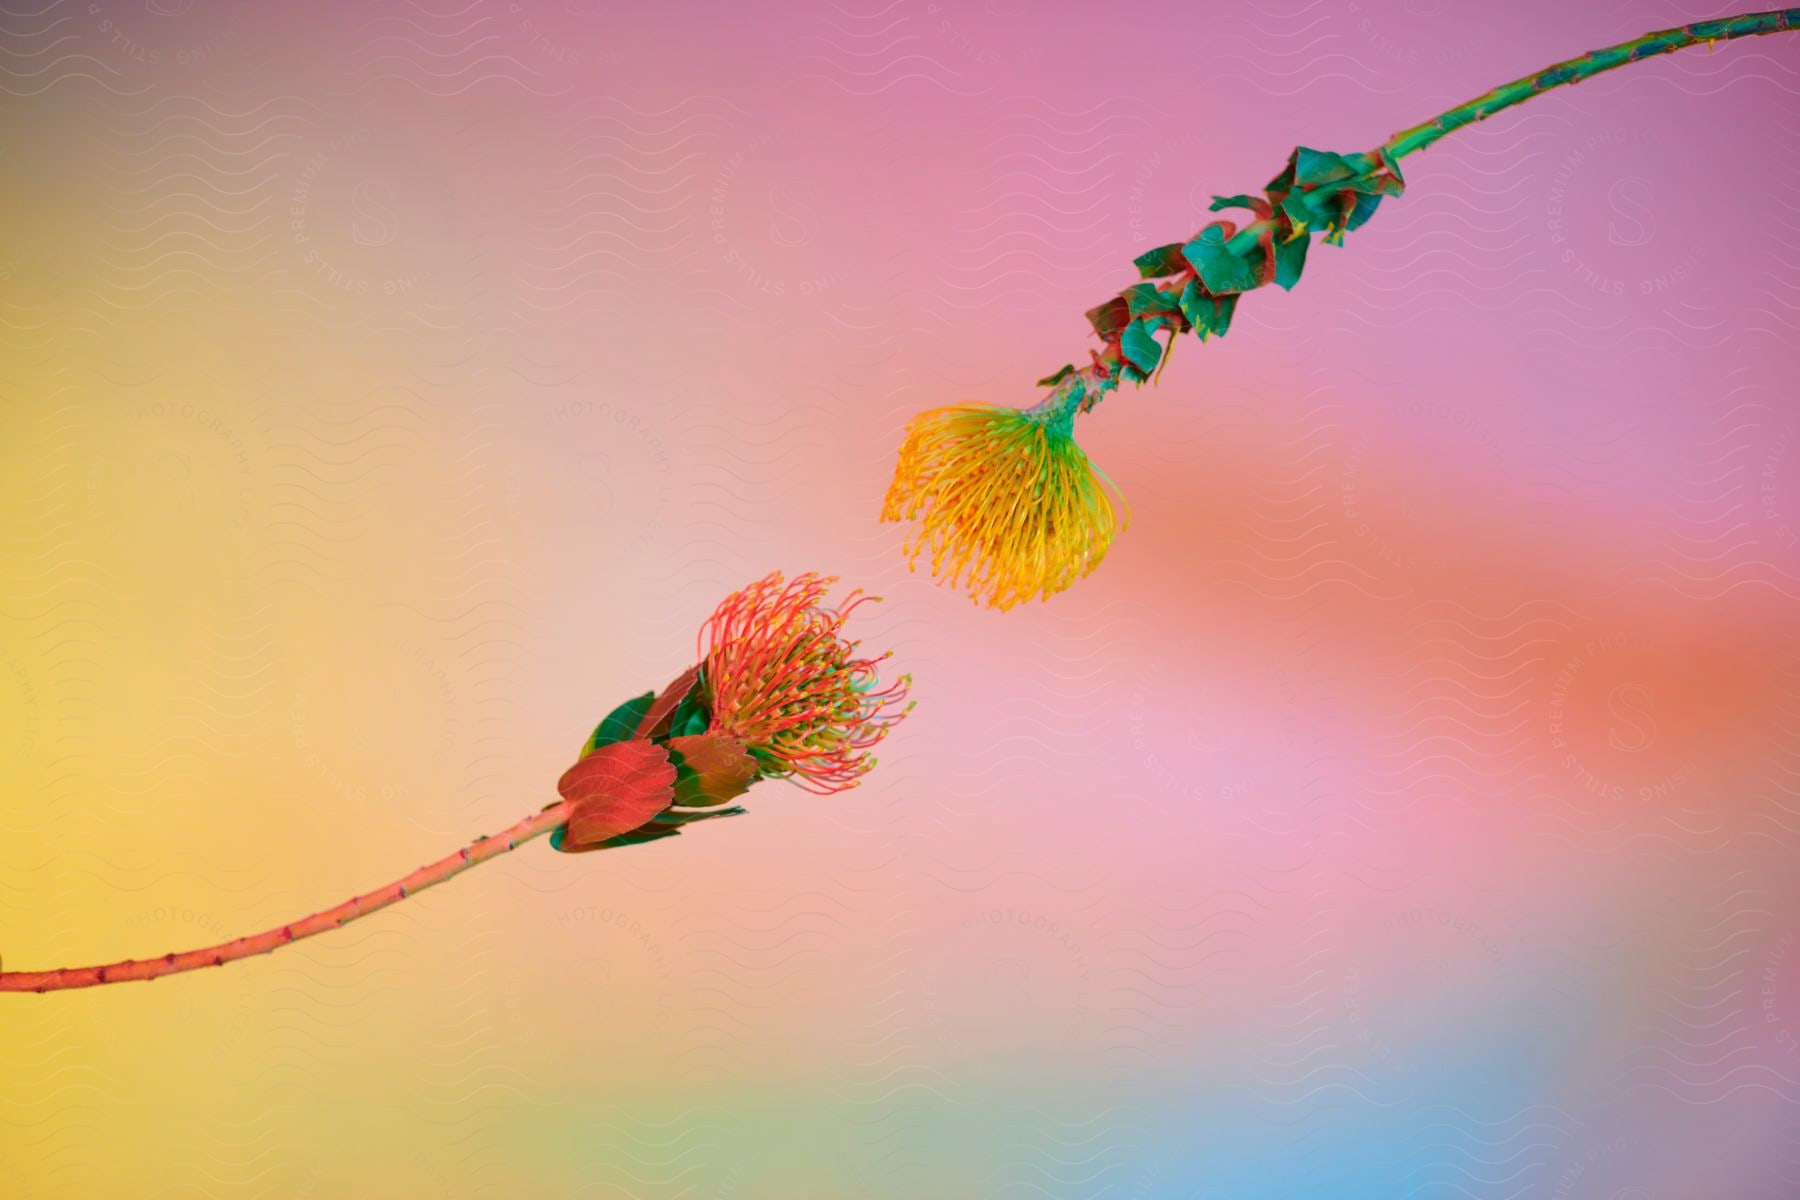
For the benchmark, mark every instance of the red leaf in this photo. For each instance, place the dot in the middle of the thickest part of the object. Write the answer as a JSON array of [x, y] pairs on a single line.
[[656, 719], [717, 768], [614, 790], [1266, 268]]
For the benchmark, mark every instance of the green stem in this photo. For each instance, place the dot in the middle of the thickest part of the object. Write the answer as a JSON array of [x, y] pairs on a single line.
[[448, 867], [1586, 67], [1082, 389]]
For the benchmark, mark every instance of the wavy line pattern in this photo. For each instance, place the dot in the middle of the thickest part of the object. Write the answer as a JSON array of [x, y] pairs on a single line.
[[1404, 809]]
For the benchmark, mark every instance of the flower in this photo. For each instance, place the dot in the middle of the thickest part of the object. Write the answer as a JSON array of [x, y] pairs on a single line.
[[777, 693], [779, 677], [1005, 495]]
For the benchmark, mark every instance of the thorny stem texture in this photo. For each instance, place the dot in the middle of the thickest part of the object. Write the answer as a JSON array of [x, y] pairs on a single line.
[[448, 867], [1084, 388]]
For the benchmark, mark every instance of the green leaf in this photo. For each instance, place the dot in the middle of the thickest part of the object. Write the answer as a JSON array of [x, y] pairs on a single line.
[[619, 723], [664, 825], [1303, 208], [636, 836], [1374, 185], [1196, 306], [1208, 314], [1226, 305], [710, 769], [1146, 299], [1109, 319], [1313, 167], [1141, 349], [1256, 204], [1164, 260], [1222, 271], [1290, 260], [1392, 167], [649, 833], [685, 816], [1365, 208], [690, 716], [1067, 370]]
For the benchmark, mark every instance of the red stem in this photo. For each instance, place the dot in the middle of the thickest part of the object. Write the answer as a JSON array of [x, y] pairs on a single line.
[[448, 867]]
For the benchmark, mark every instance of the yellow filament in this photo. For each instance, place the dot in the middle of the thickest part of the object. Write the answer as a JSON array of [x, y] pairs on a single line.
[[1004, 498]]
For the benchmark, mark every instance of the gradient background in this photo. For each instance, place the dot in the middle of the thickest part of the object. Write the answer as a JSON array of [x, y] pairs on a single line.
[[1407, 809]]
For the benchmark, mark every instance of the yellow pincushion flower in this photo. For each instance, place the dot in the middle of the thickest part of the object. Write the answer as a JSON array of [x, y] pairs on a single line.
[[1004, 499]]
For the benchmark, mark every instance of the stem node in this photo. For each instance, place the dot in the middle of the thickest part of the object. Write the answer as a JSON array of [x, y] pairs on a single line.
[[130, 969]]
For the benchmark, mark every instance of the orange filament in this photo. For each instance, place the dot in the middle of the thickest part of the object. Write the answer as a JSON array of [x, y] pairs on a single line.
[[782, 680]]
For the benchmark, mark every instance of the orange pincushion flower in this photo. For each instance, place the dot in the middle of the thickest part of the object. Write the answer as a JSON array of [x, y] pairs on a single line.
[[777, 693], [781, 678]]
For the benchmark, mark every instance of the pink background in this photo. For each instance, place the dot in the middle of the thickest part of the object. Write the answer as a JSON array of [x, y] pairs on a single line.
[[1406, 809]]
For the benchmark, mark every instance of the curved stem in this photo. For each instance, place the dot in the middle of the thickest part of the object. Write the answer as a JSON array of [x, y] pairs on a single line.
[[448, 867], [1102, 376], [1586, 67]]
